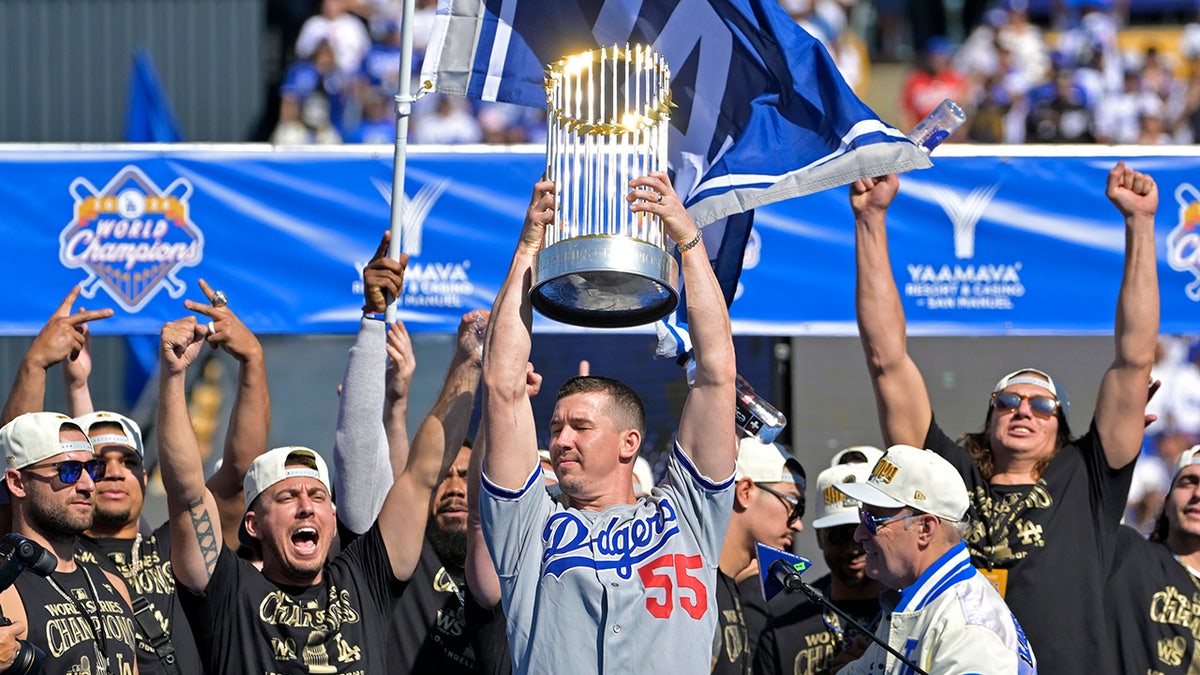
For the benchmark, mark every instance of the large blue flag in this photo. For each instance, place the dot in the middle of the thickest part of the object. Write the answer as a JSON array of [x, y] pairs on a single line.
[[763, 114]]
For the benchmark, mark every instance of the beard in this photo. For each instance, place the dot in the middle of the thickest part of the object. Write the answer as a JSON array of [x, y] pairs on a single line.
[[112, 517], [55, 518], [449, 545]]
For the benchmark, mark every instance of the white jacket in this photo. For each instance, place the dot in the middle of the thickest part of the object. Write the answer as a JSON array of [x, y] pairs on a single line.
[[950, 621]]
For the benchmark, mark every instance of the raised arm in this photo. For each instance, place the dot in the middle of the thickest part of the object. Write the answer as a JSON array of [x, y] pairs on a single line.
[[480, 570], [1121, 402], [444, 429], [406, 507], [901, 400], [195, 519], [76, 372], [435, 444], [360, 446], [61, 338], [250, 419], [511, 436], [706, 426]]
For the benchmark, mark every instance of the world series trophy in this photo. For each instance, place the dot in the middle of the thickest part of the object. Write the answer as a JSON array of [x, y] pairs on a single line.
[[602, 265]]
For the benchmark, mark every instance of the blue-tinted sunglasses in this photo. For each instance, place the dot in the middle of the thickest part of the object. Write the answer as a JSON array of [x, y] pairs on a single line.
[[1007, 401], [873, 523], [70, 471]]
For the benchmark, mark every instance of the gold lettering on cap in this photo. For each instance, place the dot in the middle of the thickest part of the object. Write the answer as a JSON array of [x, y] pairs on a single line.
[[833, 495], [917, 494], [884, 471]]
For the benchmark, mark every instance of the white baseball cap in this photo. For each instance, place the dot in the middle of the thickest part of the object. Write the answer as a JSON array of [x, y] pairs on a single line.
[[1037, 378], [272, 466], [130, 435], [1027, 376], [33, 437], [643, 477], [919, 479], [766, 462], [835, 507], [1189, 457], [860, 454]]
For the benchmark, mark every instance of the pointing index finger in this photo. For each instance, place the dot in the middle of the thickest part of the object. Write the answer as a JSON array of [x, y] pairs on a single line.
[[65, 308], [84, 316], [208, 291]]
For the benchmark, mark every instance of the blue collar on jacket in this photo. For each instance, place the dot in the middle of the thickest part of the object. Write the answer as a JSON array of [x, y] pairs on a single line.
[[953, 567]]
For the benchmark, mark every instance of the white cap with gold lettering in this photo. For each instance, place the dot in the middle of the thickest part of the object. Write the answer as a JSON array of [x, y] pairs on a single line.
[[835, 507], [919, 479]]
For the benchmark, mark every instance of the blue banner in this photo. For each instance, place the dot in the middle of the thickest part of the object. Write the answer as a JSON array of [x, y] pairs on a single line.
[[980, 244]]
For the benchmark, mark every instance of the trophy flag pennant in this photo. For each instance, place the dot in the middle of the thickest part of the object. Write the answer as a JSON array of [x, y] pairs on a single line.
[[761, 114]]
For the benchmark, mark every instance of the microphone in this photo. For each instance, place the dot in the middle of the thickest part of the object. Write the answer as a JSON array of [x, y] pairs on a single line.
[[786, 575], [780, 570]]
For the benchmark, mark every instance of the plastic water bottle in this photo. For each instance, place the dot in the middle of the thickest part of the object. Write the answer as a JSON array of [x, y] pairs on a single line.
[[937, 126], [756, 417], [753, 414]]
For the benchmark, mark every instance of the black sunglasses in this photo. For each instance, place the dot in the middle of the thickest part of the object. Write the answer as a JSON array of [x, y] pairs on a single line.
[[795, 506], [70, 471], [1044, 406]]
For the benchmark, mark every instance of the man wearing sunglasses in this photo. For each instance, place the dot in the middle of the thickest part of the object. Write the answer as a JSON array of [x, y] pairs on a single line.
[[768, 502], [804, 639], [940, 613], [1046, 508], [80, 615]]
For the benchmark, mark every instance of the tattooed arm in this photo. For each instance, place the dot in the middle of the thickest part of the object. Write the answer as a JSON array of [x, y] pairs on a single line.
[[195, 521]]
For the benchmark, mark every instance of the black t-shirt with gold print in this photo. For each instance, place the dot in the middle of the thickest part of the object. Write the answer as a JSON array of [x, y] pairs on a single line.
[[1049, 547], [145, 564], [439, 627], [244, 623], [1153, 612], [63, 621]]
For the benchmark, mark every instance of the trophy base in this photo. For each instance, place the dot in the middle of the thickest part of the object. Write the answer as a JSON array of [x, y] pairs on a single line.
[[604, 281]]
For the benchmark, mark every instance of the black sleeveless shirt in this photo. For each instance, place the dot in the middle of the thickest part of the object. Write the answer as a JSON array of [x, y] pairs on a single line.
[[63, 624]]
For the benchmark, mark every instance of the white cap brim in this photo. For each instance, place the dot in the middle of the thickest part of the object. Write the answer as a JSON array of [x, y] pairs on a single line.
[[835, 519], [869, 494]]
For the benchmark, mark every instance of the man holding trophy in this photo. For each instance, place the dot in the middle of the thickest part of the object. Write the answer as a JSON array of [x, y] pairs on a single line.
[[632, 579]]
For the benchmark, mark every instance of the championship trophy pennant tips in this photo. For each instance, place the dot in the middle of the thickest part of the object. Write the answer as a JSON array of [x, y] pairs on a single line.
[[602, 265]]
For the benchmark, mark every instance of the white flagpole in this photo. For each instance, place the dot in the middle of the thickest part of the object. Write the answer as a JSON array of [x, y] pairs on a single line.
[[404, 101]]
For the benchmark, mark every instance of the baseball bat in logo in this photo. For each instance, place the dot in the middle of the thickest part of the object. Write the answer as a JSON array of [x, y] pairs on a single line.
[[131, 237], [1183, 243]]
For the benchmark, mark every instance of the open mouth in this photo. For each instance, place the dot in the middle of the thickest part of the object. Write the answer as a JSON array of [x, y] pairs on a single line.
[[304, 541]]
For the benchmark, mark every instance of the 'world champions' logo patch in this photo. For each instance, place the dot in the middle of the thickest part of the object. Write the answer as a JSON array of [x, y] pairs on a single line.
[[1183, 243], [131, 237]]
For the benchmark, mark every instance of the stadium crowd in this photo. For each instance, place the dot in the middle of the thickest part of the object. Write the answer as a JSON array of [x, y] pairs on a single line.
[[1019, 82]]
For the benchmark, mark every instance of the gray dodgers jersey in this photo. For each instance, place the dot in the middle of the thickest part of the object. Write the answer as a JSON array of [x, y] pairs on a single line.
[[632, 586]]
